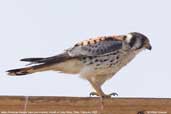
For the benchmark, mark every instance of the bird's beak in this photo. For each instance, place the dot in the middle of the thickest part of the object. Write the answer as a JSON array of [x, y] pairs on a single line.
[[148, 46]]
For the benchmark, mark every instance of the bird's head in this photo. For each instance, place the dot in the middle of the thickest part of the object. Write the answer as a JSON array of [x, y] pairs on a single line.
[[137, 41]]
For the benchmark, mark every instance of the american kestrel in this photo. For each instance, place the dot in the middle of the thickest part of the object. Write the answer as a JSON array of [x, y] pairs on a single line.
[[96, 60]]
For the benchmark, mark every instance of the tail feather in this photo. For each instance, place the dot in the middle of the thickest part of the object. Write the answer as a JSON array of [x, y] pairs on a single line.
[[20, 71], [29, 70], [35, 60], [42, 64], [49, 60]]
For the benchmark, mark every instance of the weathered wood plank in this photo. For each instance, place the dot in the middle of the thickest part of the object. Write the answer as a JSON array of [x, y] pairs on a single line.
[[82, 105]]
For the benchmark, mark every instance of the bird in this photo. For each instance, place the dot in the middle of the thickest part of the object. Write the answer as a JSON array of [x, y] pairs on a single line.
[[95, 60]]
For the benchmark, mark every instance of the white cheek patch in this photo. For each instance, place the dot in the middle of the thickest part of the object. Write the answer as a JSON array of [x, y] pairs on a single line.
[[128, 37]]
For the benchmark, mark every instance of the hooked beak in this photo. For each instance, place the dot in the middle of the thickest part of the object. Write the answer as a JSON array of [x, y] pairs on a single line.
[[148, 46]]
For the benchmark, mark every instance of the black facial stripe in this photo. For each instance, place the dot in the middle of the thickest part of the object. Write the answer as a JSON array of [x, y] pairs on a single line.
[[132, 42]]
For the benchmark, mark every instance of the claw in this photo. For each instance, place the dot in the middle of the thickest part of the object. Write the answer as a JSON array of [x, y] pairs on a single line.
[[110, 95], [93, 94], [113, 94], [105, 96]]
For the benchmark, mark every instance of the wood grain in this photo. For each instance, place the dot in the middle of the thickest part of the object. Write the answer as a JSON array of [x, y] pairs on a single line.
[[83, 105]]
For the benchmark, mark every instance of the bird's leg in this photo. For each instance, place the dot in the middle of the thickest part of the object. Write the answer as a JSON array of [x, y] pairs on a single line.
[[99, 91]]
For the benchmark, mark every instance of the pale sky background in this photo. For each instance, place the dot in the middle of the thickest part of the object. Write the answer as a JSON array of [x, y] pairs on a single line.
[[31, 28]]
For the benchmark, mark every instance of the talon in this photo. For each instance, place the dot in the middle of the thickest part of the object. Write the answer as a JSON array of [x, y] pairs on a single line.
[[104, 96], [110, 95], [93, 94], [113, 94]]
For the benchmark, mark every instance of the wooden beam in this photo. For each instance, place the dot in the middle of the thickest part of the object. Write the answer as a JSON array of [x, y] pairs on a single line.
[[82, 105]]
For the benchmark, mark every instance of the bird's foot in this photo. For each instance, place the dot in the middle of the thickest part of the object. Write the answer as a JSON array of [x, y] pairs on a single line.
[[93, 94], [113, 94], [103, 96]]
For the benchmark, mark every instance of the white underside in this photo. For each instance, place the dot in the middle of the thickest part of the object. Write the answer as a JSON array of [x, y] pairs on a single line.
[[72, 66]]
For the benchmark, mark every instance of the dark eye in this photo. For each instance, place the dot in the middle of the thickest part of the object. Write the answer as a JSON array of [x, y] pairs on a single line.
[[132, 42], [124, 37]]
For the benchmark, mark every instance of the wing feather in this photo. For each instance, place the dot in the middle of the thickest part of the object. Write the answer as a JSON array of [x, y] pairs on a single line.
[[96, 47]]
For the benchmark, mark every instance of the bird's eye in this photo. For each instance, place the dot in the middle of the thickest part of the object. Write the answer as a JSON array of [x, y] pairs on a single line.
[[124, 37]]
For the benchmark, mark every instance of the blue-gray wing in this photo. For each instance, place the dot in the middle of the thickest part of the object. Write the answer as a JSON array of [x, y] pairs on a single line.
[[93, 47], [102, 47]]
